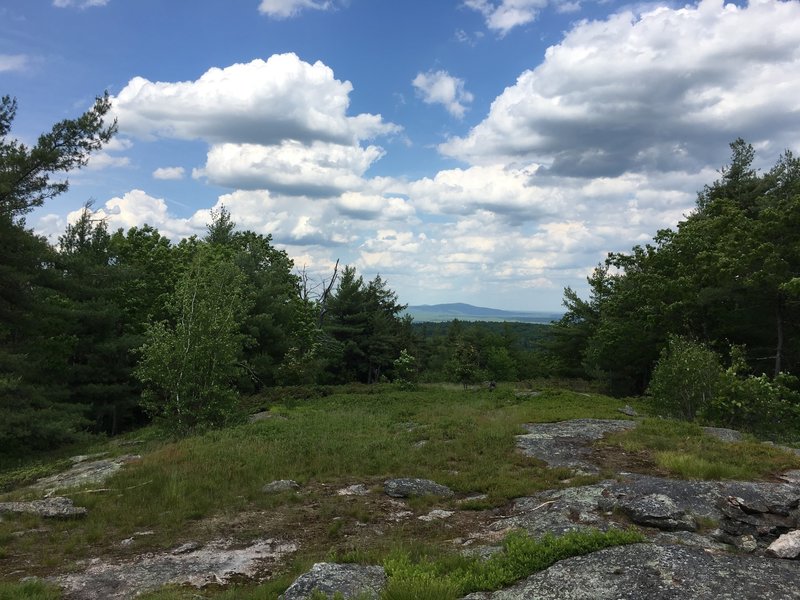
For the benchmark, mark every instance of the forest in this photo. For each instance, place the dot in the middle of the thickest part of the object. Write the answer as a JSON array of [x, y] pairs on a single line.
[[108, 330]]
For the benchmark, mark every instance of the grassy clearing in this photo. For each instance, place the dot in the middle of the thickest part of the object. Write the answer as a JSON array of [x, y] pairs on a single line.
[[201, 484], [685, 451]]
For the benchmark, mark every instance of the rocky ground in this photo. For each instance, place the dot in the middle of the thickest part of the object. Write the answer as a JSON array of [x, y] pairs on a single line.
[[707, 539]]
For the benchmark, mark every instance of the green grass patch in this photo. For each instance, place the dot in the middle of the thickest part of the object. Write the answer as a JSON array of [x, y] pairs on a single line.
[[686, 451], [29, 590], [455, 575]]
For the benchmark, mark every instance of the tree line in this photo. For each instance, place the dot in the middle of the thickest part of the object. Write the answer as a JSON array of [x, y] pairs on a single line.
[[723, 287], [106, 330]]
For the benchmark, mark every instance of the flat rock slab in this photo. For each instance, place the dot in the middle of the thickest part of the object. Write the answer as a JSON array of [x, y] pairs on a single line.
[[85, 471], [57, 507], [653, 572], [407, 486], [349, 580], [568, 443], [215, 563], [656, 502]]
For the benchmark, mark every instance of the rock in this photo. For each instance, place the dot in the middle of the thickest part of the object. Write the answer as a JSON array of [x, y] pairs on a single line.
[[436, 515], [723, 434], [187, 547], [628, 410], [792, 476], [358, 489], [405, 487], [654, 572], [349, 580], [85, 471], [57, 507], [568, 443], [280, 485], [786, 546], [657, 510], [216, 563], [746, 543]]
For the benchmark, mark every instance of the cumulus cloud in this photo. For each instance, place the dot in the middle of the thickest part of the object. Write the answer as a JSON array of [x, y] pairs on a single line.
[[319, 169], [79, 3], [664, 90], [13, 62], [503, 16], [280, 124], [136, 208], [283, 9], [439, 87], [169, 173], [260, 102]]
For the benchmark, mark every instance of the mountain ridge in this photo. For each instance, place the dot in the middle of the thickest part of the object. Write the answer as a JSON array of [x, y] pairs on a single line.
[[436, 313]]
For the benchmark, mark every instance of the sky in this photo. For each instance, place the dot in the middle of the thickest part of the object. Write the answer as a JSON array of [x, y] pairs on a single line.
[[482, 151]]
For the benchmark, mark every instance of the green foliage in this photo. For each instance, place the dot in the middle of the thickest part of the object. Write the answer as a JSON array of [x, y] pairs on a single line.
[[464, 367], [405, 369], [454, 577], [726, 275], [755, 403], [188, 368], [39, 410], [685, 379]]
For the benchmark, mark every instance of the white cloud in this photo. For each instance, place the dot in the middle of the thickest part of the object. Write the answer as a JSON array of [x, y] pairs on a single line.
[[13, 62], [367, 206], [439, 87], [318, 169], [104, 160], [283, 9], [661, 91], [169, 173], [137, 208], [79, 3], [502, 17], [260, 102]]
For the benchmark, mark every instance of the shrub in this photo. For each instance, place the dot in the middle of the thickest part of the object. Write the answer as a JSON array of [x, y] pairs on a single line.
[[685, 379]]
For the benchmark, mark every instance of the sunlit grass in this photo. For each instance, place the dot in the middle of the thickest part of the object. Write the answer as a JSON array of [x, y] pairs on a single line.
[[686, 451]]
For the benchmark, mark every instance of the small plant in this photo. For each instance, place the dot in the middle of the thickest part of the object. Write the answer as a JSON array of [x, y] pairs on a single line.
[[405, 367]]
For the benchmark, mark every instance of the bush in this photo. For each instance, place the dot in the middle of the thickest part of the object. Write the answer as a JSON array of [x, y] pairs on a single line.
[[685, 379], [755, 403]]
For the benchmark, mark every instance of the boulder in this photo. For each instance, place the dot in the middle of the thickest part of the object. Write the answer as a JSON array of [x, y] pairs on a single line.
[[349, 580], [786, 546], [406, 487], [657, 510], [280, 485]]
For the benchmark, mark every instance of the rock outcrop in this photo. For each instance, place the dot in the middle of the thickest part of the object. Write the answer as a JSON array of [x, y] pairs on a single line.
[[657, 572], [215, 563], [57, 507], [406, 487], [349, 580]]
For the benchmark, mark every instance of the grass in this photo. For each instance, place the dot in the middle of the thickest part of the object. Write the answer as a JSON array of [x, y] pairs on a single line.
[[684, 450], [29, 590], [183, 488], [453, 576]]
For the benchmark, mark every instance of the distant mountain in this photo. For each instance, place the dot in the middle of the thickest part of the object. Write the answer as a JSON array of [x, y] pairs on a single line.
[[436, 313]]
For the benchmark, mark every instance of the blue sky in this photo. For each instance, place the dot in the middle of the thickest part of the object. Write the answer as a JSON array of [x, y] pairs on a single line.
[[484, 151]]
